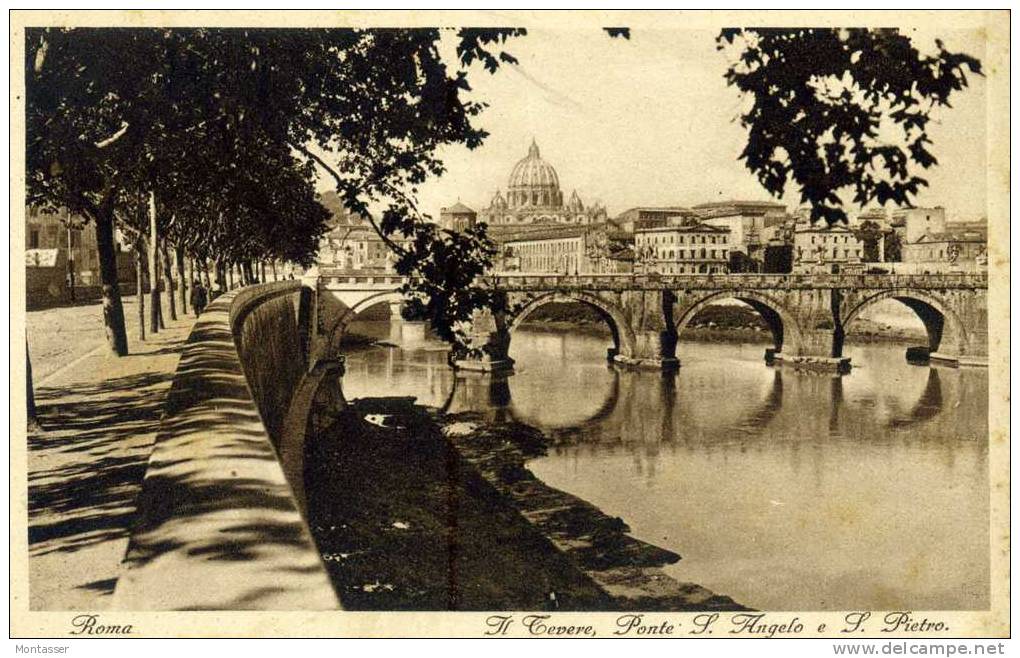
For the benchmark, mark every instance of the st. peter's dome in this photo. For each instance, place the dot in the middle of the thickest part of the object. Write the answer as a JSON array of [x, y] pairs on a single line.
[[533, 182]]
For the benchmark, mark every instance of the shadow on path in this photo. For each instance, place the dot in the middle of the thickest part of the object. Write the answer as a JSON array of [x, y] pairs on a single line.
[[91, 460]]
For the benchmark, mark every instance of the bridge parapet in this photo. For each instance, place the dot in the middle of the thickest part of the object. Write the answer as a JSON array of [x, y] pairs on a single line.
[[345, 280], [621, 282]]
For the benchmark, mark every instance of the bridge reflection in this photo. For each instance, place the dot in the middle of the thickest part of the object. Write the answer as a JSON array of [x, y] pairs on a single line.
[[647, 407]]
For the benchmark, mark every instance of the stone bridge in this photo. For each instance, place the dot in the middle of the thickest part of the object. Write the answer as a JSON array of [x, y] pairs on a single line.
[[808, 314]]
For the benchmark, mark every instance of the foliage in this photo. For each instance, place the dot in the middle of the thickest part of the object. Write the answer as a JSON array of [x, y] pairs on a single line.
[[869, 233], [840, 109], [893, 247], [739, 262]]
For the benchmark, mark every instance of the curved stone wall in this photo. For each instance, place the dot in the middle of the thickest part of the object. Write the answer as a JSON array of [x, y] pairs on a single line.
[[218, 526], [264, 320]]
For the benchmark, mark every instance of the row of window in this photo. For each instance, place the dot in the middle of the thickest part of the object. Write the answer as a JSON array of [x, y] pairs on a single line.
[[548, 247], [54, 237], [824, 239], [847, 253], [681, 254], [565, 264], [535, 198], [671, 238], [689, 269]]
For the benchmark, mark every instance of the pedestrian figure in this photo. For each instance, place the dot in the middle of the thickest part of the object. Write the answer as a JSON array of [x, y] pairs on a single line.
[[198, 297]]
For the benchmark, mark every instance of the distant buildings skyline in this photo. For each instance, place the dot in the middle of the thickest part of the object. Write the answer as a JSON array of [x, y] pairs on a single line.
[[650, 121]]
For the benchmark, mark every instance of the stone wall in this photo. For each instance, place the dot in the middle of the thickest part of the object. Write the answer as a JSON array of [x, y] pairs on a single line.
[[217, 524], [265, 326]]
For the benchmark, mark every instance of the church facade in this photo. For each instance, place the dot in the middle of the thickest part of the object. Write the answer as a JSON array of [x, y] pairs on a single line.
[[533, 196]]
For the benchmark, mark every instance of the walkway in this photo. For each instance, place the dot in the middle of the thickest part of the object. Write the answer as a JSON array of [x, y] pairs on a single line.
[[98, 415]]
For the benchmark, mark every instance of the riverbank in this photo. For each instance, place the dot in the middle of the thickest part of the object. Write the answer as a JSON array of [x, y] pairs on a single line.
[[416, 511]]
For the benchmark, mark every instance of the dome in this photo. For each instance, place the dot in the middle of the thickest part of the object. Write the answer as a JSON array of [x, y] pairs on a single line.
[[533, 182]]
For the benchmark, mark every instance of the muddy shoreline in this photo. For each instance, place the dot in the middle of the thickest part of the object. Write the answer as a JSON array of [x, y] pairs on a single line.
[[415, 510]]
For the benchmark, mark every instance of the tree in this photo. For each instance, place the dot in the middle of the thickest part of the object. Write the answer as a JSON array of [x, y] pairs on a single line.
[[870, 234], [840, 110], [740, 262], [230, 126], [115, 115], [893, 247]]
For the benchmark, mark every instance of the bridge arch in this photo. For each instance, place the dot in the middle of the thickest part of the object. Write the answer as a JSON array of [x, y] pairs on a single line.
[[342, 314], [786, 331], [624, 340], [946, 331]]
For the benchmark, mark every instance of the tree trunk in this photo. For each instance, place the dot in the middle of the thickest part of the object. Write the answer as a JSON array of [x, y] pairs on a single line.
[[33, 418], [262, 267], [221, 275], [183, 280], [140, 281], [205, 275], [113, 310], [169, 282], [154, 305], [272, 264], [230, 275]]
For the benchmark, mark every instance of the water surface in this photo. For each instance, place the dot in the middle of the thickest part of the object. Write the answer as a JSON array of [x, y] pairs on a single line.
[[783, 489]]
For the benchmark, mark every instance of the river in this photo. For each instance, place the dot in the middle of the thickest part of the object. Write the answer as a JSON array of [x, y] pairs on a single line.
[[785, 490]]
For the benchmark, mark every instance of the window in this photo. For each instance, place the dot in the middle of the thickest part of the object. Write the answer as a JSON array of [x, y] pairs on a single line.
[[33, 238]]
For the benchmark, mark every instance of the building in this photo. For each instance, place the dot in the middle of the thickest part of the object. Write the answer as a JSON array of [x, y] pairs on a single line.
[[534, 197], [912, 223], [651, 216], [690, 249], [878, 215], [823, 247], [61, 248], [564, 249], [746, 221], [960, 250], [457, 217], [351, 243], [65, 238]]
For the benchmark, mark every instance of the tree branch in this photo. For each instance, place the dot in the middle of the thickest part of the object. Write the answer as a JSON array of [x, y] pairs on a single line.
[[394, 247]]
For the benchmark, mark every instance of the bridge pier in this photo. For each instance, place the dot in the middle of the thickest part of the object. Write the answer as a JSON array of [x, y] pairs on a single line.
[[490, 343], [655, 350], [816, 349]]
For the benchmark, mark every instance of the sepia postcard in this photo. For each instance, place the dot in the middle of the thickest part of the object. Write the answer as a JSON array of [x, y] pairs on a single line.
[[510, 324]]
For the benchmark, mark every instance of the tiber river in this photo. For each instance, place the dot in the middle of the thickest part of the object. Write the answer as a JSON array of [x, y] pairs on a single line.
[[782, 489]]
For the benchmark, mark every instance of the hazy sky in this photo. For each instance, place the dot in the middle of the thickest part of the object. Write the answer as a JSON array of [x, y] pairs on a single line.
[[650, 121]]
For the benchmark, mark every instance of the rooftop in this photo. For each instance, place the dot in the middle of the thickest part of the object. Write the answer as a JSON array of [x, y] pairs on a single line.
[[740, 203], [659, 209], [958, 236], [686, 228], [458, 209]]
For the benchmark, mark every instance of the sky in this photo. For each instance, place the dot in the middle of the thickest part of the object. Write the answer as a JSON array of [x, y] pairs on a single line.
[[651, 121]]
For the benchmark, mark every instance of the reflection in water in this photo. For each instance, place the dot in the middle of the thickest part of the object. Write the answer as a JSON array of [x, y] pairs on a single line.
[[780, 488]]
